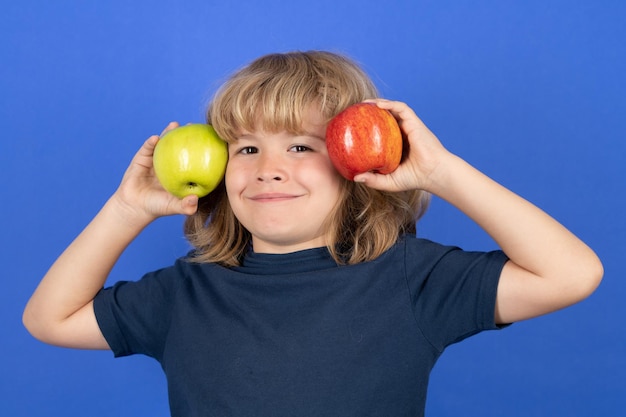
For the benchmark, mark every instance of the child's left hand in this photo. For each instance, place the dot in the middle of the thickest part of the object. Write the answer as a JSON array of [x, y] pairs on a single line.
[[420, 162]]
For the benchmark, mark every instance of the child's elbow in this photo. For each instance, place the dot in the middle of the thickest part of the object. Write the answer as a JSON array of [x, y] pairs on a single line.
[[37, 323], [33, 324], [589, 277]]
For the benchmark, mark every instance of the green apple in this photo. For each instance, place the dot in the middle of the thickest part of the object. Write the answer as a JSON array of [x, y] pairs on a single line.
[[190, 159]]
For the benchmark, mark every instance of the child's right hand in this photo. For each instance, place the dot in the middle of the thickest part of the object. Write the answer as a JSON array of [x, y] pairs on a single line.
[[141, 196]]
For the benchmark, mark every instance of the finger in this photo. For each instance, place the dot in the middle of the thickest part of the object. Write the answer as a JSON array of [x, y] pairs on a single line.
[[147, 149], [164, 204], [149, 144], [375, 100], [170, 126], [400, 110], [189, 205], [373, 180]]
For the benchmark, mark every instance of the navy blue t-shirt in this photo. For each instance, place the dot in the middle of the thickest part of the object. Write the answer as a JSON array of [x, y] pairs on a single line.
[[298, 335]]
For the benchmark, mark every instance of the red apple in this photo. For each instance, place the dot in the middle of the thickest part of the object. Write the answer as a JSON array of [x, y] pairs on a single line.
[[364, 138]]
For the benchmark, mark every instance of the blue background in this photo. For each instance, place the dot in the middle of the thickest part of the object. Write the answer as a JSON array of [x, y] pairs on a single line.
[[531, 92]]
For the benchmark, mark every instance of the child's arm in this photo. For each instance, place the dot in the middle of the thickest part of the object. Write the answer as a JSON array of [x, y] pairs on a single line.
[[60, 311], [549, 267]]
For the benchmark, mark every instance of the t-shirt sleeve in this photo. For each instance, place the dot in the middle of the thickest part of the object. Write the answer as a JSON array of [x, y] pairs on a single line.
[[453, 291], [134, 316]]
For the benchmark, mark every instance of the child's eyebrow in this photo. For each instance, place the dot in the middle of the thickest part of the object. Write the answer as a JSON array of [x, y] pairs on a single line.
[[312, 134], [245, 136]]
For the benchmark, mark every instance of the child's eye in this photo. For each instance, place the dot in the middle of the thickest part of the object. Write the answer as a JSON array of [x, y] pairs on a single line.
[[299, 148], [247, 150]]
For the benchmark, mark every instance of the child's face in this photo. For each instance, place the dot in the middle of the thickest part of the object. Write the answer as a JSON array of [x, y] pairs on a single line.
[[283, 186]]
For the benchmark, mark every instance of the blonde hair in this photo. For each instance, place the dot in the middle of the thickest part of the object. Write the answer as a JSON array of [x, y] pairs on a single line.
[[272, 93]]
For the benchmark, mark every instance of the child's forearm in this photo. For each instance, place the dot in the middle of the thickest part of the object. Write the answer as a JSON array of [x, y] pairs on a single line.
[[80, 272], [530, 238], [61, 309]]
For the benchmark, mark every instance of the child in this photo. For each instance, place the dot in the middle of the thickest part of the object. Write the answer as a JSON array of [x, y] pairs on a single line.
[[307, 294]]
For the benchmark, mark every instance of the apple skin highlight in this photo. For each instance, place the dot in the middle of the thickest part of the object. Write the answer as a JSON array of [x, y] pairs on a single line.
[[190, 159], [364, 138]]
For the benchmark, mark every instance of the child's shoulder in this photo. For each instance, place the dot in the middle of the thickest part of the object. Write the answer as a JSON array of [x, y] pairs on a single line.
[[419, 250], [411, 242]]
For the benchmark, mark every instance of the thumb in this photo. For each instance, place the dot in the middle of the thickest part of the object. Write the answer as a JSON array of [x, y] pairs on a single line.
[[372, 180], [189, 205]]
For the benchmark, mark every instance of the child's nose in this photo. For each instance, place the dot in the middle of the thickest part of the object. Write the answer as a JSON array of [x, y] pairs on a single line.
[[270, 168]]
